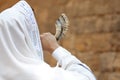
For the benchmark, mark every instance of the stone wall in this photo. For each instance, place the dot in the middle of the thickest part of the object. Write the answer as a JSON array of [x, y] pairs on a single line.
[[94, 33]]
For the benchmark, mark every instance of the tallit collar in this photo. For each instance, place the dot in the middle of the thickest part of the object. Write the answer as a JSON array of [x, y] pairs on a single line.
[[23, 7]]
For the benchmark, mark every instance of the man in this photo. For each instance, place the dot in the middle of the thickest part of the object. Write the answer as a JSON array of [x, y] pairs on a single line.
[[21, 55]]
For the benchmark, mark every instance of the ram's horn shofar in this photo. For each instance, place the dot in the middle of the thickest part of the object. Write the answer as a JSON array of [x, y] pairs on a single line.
[[62, 25]]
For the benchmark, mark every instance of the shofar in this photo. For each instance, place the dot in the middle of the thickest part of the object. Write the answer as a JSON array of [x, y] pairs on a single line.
[[62, 25]]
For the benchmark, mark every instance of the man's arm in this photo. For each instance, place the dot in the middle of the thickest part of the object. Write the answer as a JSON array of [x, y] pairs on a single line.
[[67, 61]]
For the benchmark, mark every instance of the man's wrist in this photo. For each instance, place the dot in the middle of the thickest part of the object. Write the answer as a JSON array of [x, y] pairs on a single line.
[[53, 48]]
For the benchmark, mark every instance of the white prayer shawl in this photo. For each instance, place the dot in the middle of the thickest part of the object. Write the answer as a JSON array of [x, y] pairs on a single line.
[[21, 55]]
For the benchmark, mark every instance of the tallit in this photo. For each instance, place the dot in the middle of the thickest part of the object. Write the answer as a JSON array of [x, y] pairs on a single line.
[[21, 55]]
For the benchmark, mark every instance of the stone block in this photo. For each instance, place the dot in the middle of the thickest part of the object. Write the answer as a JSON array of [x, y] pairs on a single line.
[[116, 64], [107, 61], [95, 24], [110, 76], [93, 42], [114, 76], [115, 42]]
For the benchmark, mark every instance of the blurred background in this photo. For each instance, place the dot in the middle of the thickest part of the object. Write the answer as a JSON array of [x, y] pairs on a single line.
[[93, 35]]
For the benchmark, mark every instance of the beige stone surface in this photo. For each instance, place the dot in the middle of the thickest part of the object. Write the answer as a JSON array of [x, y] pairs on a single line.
[[107, 60], [93, 35]]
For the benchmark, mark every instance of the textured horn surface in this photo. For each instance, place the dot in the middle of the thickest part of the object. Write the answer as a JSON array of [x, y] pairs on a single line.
[[62, 24]]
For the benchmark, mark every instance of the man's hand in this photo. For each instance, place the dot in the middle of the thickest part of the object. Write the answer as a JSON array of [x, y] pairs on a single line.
[[49, 42]]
